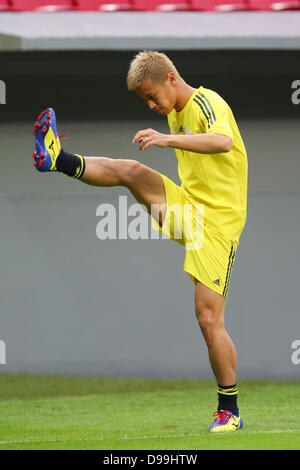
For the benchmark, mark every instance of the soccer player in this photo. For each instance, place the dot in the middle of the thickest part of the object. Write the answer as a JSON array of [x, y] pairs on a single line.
[[212, 166]]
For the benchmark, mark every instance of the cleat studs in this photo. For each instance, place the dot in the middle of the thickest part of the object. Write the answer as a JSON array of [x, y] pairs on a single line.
[[41, 115], [35, 164], [40, 163], [37, 126]]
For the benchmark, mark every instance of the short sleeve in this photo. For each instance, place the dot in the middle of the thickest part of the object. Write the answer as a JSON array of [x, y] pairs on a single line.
[[214, 114]]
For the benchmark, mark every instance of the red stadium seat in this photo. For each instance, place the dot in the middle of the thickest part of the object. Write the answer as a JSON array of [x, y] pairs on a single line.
[[41, 5], [4, 5], [149, 5], [244, 5], [133, 5], [104, 5], [219, 5], [280, 6], [272, 5], [161, 5]]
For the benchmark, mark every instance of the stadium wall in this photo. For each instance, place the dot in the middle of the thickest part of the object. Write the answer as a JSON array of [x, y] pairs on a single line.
[[73, 304], [92, 84]]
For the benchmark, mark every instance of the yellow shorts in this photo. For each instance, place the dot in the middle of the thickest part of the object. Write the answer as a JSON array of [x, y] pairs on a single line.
[[209, 256]]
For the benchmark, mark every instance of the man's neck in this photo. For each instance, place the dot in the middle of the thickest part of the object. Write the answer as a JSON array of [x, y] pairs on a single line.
[[184, 93]]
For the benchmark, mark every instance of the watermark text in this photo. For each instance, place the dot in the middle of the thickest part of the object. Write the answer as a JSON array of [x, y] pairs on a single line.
[[295, 357], [2, 352], [183, 223], [296, 94], [2, 92]]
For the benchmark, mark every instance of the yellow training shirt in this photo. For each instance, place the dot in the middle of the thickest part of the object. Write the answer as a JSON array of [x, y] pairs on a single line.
[[219, 181]]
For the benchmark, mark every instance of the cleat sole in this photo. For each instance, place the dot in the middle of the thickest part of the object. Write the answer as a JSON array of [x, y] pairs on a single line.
[[47, 145]]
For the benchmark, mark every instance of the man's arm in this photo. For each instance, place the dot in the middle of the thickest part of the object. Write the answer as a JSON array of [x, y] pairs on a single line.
[[199, 143]]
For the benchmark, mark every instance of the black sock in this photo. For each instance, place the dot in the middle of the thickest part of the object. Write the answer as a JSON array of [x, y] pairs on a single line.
[[228, 398], [71, 165]]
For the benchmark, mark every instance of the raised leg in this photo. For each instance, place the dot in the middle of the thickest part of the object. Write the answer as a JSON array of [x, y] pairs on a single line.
[[145, 184]]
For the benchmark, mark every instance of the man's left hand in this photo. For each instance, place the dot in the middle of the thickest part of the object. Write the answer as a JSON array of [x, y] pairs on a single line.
[[148, 137]]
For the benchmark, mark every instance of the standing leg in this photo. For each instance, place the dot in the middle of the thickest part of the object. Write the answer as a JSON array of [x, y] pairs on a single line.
[[210, 309]]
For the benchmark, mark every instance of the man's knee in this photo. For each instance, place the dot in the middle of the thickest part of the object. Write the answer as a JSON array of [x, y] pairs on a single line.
[[204, 316], [130, 171], [209, 320]]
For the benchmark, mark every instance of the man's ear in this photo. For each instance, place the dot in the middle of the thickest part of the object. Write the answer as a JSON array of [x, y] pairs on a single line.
[[171, 78]]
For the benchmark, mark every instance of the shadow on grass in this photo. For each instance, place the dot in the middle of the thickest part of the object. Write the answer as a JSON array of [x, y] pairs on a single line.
[[30, 386]]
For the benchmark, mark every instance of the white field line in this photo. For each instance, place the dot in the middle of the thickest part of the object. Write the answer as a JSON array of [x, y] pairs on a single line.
[[137, 438]]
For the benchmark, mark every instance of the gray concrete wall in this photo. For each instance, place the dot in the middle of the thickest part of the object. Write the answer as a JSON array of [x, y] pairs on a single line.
[[73, 304], [101, 31]]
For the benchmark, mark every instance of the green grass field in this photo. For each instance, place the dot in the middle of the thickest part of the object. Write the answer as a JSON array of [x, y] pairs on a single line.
[[58, 412]]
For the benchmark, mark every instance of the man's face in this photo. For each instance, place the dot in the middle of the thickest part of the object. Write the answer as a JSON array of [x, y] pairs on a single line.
[[160, 97]]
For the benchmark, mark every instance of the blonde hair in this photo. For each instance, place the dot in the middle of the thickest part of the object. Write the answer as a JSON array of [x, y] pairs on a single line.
[[150, 64]]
